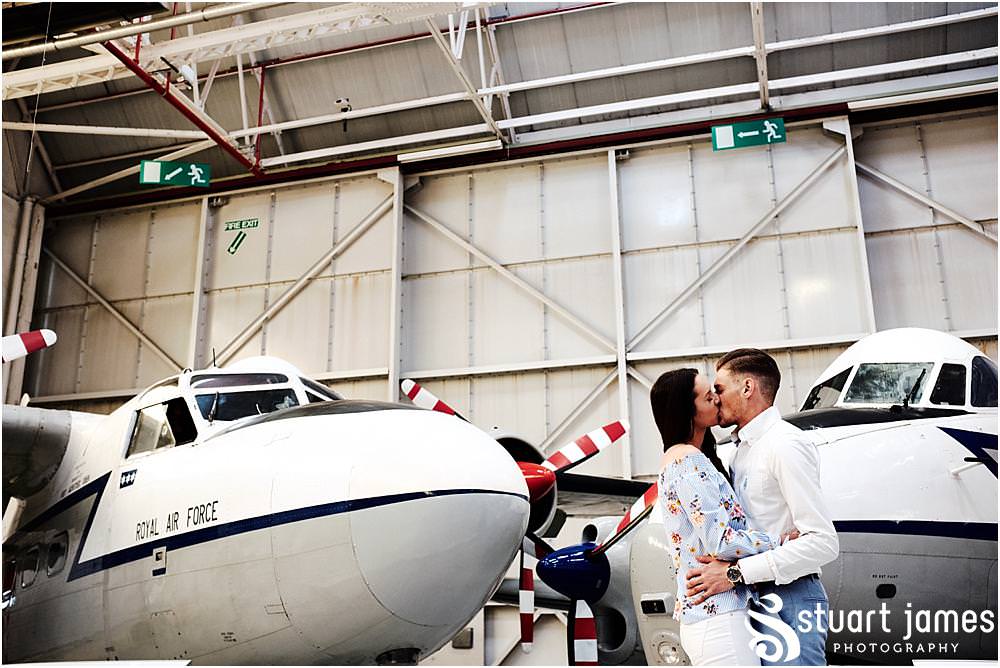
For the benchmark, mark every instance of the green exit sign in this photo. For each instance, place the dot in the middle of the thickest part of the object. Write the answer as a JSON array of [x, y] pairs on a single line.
[[175, 173], [752, 133]]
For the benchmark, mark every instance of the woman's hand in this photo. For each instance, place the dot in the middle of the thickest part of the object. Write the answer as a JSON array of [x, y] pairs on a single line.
[[791, 535]]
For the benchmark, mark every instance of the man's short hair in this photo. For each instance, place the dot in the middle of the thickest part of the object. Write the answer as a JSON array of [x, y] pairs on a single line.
[[756, 363]]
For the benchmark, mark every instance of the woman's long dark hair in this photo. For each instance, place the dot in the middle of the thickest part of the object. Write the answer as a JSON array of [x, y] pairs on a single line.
[[672, 399]]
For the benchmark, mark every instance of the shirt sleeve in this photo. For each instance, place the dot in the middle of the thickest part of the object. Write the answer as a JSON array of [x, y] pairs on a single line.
[[718, 520], [796, 468]]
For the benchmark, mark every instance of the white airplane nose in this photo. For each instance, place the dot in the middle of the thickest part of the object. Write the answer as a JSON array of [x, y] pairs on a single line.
[[409, 520], [434, 549]]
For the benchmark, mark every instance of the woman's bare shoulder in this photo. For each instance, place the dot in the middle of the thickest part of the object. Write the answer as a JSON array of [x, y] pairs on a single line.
[[676, 453]]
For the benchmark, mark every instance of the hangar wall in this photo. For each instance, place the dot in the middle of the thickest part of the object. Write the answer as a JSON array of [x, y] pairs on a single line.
[[841, 256]]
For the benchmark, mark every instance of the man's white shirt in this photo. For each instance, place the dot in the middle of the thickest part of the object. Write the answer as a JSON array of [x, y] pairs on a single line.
[[776, 476]]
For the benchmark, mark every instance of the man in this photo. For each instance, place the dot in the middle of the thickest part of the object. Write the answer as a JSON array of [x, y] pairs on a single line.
[[776, 476]]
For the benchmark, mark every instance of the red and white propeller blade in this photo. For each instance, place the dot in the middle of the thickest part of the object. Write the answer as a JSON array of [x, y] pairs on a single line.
[[17, 346], [532, 549], [642, 507], [585, 447], [583, 636], [424, 398], [526, 600]]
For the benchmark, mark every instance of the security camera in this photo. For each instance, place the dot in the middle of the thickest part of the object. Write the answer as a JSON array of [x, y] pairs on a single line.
[[343, 105]]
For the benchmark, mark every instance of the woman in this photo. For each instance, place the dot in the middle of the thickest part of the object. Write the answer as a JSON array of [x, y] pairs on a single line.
[[702, 516]]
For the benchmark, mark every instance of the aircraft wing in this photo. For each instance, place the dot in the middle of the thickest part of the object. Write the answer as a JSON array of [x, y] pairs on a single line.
[[590, 484]]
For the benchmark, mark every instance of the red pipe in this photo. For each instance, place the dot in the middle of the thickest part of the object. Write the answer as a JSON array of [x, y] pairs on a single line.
[[144, 76]]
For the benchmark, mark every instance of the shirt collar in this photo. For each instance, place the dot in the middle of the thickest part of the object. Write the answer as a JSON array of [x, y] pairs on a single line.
[[758, 426]]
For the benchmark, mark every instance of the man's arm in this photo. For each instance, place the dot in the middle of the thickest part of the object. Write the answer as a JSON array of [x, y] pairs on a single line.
[[796, 468]]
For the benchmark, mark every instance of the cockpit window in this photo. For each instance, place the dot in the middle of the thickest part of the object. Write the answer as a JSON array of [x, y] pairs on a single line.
[[950, 386], [203, 381], [321, 390], [236, 405], [826, 393], [984, 382], [162, 426], [888, 383]]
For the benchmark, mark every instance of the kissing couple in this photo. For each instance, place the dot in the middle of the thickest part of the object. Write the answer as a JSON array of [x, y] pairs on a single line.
[[747, 540]]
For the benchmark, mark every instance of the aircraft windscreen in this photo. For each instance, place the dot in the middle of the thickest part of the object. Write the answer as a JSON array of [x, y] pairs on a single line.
[[827, 393], [204, 381], [236, 405], [888, 383]]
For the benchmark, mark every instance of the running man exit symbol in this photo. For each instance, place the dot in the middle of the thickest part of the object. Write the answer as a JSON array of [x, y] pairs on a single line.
[[156, 172], [752, 133]]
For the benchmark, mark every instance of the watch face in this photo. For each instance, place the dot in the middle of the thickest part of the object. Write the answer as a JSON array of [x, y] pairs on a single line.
[[734, 574]]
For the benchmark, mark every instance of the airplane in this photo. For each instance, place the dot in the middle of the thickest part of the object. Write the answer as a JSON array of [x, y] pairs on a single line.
[[905, 422], [250, 515]]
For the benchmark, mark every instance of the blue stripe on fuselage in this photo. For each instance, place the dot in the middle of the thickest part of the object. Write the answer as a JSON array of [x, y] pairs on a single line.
[[966, 530], [215, 532]]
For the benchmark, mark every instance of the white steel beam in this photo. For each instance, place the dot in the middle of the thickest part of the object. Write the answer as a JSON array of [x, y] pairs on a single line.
[[121, 156], [129, 171], [759, 50], [679, 300], [346, 149], [491, 41], [354, 113], [925, 200], [621, 70], [842, 126], [43, 153], [103, 130], [923, 96], [639, 376], [888, 29], [512, 277], [315, 270], [884, 69], [225, 43], [619, 291], [750, 88], [199, 305], [115, 313], [206, 14], [584, 404], [629, 105], [395, 286], [514, 367], [464, 78], [667, 355]]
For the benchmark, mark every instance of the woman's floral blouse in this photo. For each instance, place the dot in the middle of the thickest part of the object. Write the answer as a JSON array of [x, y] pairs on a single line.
[[703, 516]]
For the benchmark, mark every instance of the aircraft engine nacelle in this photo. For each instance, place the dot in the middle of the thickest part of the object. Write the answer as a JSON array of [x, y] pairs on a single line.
[[617, 634], [35, 441], [543, 511]]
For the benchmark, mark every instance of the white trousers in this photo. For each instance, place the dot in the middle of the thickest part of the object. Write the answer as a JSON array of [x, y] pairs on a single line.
[[722, 640]]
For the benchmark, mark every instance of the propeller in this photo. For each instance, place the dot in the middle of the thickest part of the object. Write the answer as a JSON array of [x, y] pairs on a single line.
[[581, 639], [532, 549], [582, 573], [424, 398], [17, 346], [585, 447]]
